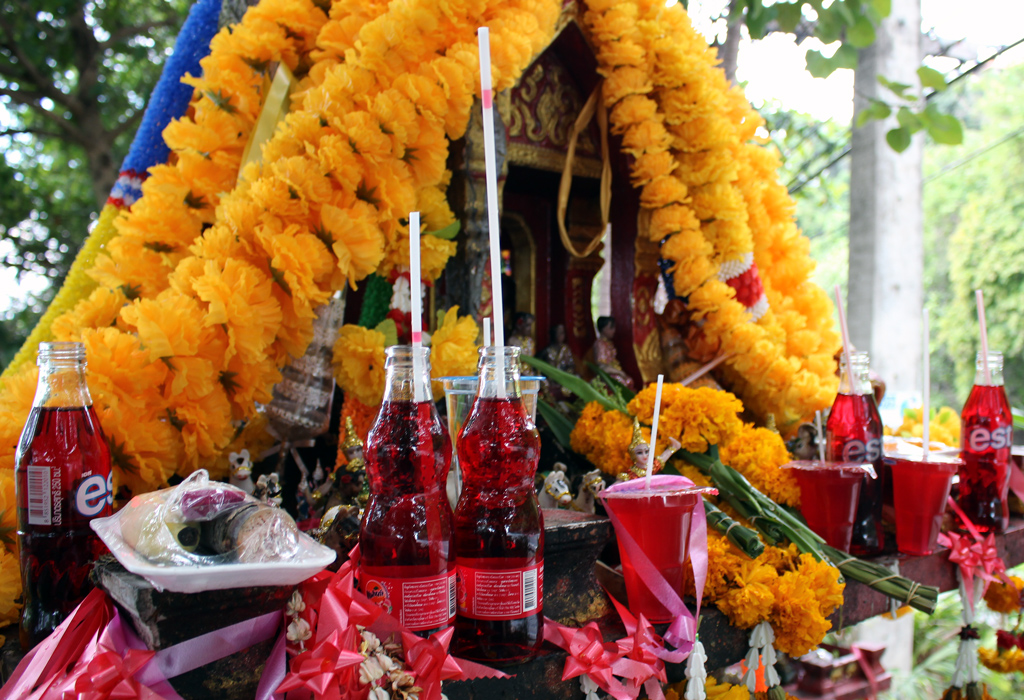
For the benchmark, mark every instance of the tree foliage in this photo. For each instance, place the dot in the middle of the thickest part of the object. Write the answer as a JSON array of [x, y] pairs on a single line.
[[74, 80]]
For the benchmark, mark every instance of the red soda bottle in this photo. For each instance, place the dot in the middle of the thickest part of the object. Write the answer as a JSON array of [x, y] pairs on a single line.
[[986, 434], [405, 537], [63, 480], [499, 531], [853, 433]]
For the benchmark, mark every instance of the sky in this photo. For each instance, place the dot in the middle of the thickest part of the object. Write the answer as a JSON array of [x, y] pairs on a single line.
[[773, 69]]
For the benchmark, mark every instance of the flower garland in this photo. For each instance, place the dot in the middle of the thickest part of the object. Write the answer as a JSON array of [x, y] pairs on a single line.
[[226, 295], [715, 205], [792, 591], [943, 426]]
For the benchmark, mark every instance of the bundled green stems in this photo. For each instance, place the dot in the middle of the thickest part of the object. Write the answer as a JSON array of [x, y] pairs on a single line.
[[776, 524], [743, 537]]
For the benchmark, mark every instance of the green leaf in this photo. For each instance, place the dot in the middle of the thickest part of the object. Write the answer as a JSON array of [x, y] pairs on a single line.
[[448, 232], [390, 331], [758, 17], [614, 385], [898, 88], [571, 382], [876, 109], [819, 66], [898, 139], [862, 33], [829, 26], [943, 128], [908, 120], [883, 8], [788, 16], [845, 12], [845, 57], [561, 427], [931, 78]]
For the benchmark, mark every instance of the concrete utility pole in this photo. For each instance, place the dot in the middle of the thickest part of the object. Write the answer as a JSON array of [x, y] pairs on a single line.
[[886, 235]]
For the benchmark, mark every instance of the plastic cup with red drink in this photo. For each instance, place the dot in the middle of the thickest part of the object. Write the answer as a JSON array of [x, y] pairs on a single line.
[[658, 521], [920, 491], [828, 497]]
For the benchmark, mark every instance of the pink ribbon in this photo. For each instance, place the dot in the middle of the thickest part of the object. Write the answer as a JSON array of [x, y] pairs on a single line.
[[323, 669], [978, 557], [430, 661], [682, 631], [107, 677], [588, 654]]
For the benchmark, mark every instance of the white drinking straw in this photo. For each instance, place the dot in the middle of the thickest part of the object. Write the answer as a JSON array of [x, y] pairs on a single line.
[[654, 433], [847, 349], [926, 409], [486, 97], [821, 436], [487, 332], [978, 297], [417, 303]]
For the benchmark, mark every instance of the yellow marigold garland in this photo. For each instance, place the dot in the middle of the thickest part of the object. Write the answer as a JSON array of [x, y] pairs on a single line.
[[758, 454], [714, 197], [1004, 598]]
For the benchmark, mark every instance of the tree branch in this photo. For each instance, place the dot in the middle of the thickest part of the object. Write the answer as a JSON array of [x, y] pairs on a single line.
[[33, 132], [31, 99], [129, 32], [32, 72]]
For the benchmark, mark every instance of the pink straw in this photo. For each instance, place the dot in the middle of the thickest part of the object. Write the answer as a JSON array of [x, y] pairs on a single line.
[[654, 433], [978, 297], [847, 348]]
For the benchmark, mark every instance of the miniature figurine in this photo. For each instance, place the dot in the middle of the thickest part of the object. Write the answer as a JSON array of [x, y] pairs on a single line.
[[241, 470], [559, 355], [605, 355], [522, 333], [268, 489], [555, 492], [640, 451], [348, 485], [805, 444], [591, 485]]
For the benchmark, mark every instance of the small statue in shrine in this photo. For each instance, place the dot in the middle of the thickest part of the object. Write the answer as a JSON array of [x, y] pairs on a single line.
[[805, 444], [591, 486], [559, 355], [641, 451], [268, 489], [555, 491], [522, 333], [241, 470], [605, 355], [348, 485]]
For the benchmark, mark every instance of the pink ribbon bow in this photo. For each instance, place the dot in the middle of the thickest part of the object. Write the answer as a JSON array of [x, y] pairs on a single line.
[[643, 655], [108, 677], [589, 655], [322, 669], [979, 557], [430, 661]]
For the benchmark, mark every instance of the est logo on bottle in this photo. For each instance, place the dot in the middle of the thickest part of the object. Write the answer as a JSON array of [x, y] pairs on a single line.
[[982, 439], [861, 451], [94, 494]]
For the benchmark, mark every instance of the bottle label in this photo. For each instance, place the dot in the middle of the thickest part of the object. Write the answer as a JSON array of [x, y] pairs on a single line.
[[500, 594], [94, 494], [981, 439], [40, 501], [418, 603], [862, 450]]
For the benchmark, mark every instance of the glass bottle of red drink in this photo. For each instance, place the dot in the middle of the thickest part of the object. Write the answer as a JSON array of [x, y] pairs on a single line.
[[499, 531], [854, 434], [986, 435], [406, 535], [63, 480]]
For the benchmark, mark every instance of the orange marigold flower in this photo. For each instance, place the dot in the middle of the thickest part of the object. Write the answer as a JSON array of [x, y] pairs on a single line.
[[1004, 598], [359, 363]]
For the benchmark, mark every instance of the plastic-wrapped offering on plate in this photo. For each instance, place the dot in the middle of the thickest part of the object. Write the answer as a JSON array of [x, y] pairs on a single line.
[[201, 522]]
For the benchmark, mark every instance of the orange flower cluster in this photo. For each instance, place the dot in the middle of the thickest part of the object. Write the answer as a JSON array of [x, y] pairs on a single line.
[[1004, 598], [758, 454], [793, 591], [714, 197], [206, 295], [603, 437]]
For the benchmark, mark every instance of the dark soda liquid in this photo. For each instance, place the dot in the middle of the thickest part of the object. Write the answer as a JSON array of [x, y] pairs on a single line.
[[854, 434], [498, 522], [407, 528], [56, 559], [985, 439]]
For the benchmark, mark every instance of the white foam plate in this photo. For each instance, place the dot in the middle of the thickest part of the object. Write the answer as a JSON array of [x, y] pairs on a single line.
[[313, 558]]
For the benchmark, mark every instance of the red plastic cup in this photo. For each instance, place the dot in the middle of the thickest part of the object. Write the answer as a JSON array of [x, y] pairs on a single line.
[[828, 497], [659, 522], [920, 492]]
